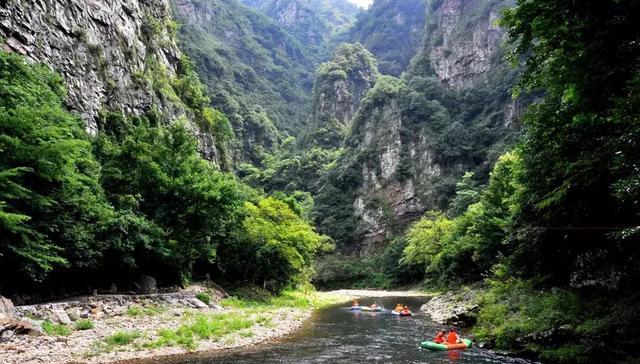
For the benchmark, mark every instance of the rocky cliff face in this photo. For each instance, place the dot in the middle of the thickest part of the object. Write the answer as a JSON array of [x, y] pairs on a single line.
[[312, 22], [392, 30], [463, 42], [111, 54], [412, 138], [340, 86]]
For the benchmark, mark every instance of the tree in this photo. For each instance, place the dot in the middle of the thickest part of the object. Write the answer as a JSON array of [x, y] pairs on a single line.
[[50, 196], [275, 248], [576, 152]]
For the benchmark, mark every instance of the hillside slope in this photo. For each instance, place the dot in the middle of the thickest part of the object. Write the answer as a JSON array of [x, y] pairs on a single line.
[[392, 30], [255, 72], [312, 22], [413, 138]]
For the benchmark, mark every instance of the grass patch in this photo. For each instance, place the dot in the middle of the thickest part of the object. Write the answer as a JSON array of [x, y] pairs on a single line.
[[84, 324], [204, 297], [288, 299], [202, 327], [247, 334], [55, 329], [121, 338], [151, 310]]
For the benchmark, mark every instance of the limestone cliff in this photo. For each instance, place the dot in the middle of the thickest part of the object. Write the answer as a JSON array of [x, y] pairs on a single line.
[[340, 86], [463, 42], [117, 55], [412, 138], [392, 30]]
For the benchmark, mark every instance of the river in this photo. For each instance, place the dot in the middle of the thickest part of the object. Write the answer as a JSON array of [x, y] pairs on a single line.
[[337, 335]]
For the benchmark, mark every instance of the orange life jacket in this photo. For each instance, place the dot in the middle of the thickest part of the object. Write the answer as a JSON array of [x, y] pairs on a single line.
[[439, 339], [452, 338]]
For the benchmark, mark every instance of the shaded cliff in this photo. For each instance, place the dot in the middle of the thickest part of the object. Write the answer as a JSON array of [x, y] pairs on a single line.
[[411, 139], [256, 73], [340, 86], [114, 56], [392, 30], [312, 22]]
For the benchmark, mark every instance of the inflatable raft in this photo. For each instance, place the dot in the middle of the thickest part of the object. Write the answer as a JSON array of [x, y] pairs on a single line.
[[396, 313], [370, 309], [466, 343], [355, 308]]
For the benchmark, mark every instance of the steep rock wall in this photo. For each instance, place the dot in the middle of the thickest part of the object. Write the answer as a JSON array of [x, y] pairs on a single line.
[[412, 138], [463, 40], [392, 30], [339, 88], [108, 53]]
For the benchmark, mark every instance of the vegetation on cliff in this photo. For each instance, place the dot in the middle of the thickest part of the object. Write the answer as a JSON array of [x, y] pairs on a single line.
[[136, 199], [392, 30]]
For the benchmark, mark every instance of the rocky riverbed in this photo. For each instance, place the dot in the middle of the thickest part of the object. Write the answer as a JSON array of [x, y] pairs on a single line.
[[111, 328]]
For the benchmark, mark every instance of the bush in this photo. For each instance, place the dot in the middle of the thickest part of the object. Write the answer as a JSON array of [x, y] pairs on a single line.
[[55, 329], [516, 316], [84, 324], [121, 338], [252, 293], [204, 297]]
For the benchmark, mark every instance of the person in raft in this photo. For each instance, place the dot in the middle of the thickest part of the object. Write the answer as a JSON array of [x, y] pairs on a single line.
[[398, 308], [355, 304], [440, 337], [374, 306], [406, 310], [453, 337]]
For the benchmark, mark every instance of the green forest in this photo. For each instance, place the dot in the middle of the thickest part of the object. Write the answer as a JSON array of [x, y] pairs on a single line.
[[353, 151]]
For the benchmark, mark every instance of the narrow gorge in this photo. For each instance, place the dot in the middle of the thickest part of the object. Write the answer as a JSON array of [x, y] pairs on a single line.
[[199, 167]]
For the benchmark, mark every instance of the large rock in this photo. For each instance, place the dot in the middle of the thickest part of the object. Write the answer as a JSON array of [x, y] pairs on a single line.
[[61, 317], [145, 284], [453, 308], [6, 308], [20, 327], [196, 303]]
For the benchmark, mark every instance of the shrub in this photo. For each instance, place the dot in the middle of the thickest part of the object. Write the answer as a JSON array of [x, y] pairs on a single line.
[[204, 297], [55, 329], [84, 324], [121, 338]]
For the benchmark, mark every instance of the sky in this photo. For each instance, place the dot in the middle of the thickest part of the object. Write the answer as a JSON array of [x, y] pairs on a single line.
[[362, 3]]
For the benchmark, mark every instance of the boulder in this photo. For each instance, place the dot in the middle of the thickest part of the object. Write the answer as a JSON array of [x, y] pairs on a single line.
[[196, 303], [453, 308], [73, 313], [20, 327], [145, 284], [6, 308], [60, 316]]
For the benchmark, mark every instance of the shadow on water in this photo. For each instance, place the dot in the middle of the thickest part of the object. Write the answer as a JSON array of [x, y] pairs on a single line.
[[338, 335]]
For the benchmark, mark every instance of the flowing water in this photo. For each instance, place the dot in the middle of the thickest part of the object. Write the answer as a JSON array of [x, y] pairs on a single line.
[[338, 335]]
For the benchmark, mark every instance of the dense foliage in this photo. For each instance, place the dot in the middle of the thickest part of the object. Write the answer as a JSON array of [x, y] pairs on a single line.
[[580, 156], [257, 74], [465, 247], [392, 31], [52, 209], [556, 228], [274, 249], [136, 199], [312, 22]]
